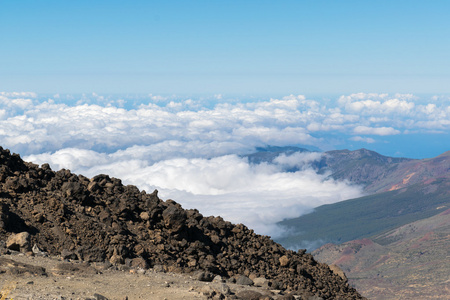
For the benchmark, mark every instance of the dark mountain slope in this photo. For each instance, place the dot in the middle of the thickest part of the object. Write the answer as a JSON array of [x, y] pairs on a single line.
[[380, 173], [363, 167], [402, 191], [100, 219], [269, 153], [367, 216]]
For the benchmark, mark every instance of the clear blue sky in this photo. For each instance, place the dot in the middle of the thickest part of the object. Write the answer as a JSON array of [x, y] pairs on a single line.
[[243, 47]]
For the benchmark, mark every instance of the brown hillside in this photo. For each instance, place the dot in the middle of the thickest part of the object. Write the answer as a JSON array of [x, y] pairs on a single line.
[[409, 262]]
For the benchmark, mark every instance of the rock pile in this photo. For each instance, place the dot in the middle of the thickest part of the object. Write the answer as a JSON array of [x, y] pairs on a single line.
[[100, 219]]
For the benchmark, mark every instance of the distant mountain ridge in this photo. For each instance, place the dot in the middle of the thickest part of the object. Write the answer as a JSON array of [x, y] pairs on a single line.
[[392, 243], [376, 172], [380, 173], [361, 166], [269, 153], [400, 191]]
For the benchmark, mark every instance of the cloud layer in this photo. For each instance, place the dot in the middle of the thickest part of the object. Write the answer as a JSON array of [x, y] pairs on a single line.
[[257, 195], [189, 149], [171, 127]]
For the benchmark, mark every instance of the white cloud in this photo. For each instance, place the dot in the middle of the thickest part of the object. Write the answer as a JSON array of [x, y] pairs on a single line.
[[71, 158], [372, 104], [362, 139], [157, 98], [193, 127], [257, 195], [297, 159], [18, 94], [375, 130]]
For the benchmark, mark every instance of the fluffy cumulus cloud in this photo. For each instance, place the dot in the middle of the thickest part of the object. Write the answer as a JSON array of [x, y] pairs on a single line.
[[190, 149], [361, 139], [258, 195], [201, 127], [375, 130]]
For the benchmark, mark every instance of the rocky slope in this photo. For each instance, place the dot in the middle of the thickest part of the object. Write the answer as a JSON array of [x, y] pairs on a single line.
[[370, 215], [100, 219]]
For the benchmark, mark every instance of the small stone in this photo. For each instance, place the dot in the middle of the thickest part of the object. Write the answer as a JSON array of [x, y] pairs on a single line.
[[338, 271], [19, 242], [99, 297], [203, 276], [116, 258], [244, 280], [144, 216], [261, 282], [218, 278], [284, 261], [276, 285], [218, 296], [207, 291], [159, 268], [36, 250], [192, 263], [249, 295], [225, 289], [288, 297]]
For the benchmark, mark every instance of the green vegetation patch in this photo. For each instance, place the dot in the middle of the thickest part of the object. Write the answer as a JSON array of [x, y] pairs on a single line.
[[366, 216]]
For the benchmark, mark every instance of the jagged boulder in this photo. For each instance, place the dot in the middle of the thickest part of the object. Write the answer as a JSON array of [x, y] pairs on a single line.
[[19, 242]]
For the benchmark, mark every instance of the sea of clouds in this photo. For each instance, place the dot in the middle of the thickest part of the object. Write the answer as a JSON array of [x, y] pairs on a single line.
[[192, 150]]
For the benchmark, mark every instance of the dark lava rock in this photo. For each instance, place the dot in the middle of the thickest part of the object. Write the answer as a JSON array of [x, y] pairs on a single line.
[[244, 280], [68, 214], [203, 276], [12, 267], [249, 295]]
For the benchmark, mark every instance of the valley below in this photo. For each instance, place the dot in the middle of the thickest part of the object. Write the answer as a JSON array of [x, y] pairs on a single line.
[[410, 262], [393, 243]]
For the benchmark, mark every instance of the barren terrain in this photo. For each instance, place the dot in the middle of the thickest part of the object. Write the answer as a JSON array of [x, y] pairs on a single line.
[[38, 277]]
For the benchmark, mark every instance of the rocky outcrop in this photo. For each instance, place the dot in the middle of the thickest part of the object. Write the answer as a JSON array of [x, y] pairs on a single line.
[[100, 219]]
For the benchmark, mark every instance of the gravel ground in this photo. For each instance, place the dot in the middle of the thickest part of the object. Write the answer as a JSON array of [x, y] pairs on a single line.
[[22, 277]]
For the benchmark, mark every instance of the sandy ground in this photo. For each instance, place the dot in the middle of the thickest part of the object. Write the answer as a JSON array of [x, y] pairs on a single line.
[[75, 280]]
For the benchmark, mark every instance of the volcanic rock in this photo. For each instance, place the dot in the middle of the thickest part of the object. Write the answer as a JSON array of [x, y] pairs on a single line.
[[12, 267], [19, 242], [249, 295], [100, 219], [244, 280]]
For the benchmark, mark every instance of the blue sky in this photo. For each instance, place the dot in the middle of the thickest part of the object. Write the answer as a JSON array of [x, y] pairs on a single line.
[[229, 47]]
